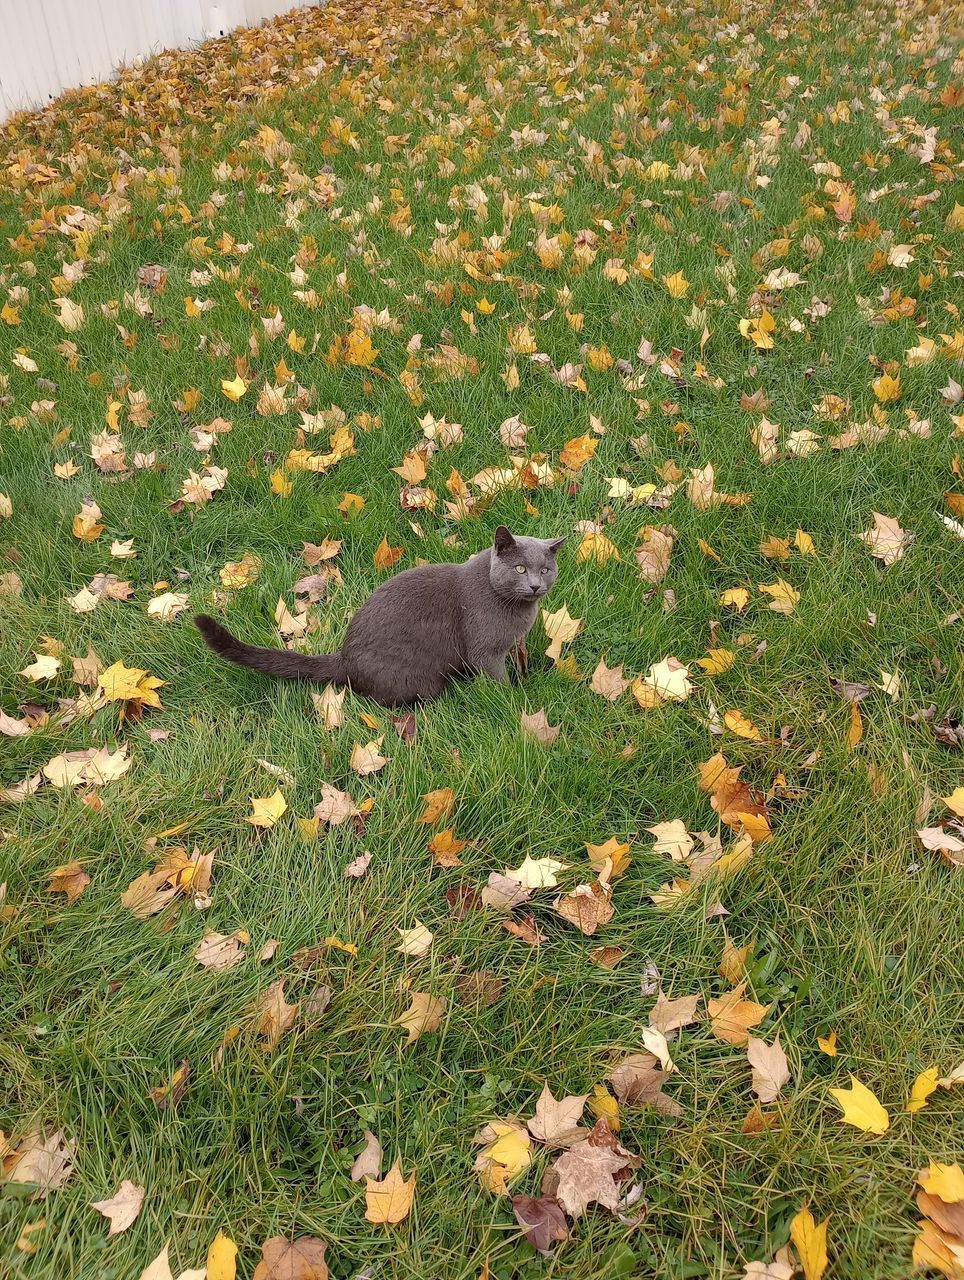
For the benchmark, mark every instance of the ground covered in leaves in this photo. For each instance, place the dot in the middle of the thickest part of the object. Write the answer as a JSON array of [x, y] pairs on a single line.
[[647, 964]]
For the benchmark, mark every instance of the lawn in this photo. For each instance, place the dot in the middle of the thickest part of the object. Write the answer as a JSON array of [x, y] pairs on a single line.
[[681, 285]]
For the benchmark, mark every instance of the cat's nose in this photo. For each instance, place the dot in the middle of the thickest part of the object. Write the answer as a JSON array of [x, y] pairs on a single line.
[[534, 588]]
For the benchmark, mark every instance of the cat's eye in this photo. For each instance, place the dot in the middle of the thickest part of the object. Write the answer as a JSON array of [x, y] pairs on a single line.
[[520, 568], [543, 570]]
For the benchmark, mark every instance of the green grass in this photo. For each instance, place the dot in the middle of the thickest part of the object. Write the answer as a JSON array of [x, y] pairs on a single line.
[[857, 929]]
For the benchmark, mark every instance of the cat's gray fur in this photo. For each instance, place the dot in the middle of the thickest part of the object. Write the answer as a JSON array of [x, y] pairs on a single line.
[[424, 627]]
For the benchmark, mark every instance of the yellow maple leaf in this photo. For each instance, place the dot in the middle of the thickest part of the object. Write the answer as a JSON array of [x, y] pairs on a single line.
[[359, 349], [737, 723], [946, 1181], [760, 330], [861, 1108], [810, 1241], [737, 597], [280, 484], [578, 451], [784, 598], [677, 284], [221, 1258], [886, 388], [389, 1199], [560, 627], [604, 1106], [718, 661], [828, 1044], [596, 546], [129, 684], [267, 810], [235, 388], [804, 543], [612, 852], [923, 1087]]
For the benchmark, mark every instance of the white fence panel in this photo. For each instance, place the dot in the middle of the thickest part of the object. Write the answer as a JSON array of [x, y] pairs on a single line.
[[47, 46]]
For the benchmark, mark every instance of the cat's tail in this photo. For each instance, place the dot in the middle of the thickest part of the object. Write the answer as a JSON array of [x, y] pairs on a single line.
[[274, 662]]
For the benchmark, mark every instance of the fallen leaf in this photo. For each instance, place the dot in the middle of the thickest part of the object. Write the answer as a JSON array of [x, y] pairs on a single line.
[[222, 951], [267, 810], [556, 1123], [367, 759], [122, 1208], [506, 1152], [561, 628], [542, 1220], [771, 1071], [608, 682], [737, 723], [389, 1200], [274, 1015], [423, 1014], [438, 805], [669, 1015], [368, 1162], [810, 1241], [886, 540], [416, 941], [587, 907], [784, 598], [221, 1260], [70, 879], [45, 1163], [358, 866], [536, 873], [731, 1016], [284, 1259], [672, 838], [925, 1084], [861, 1108], [537, 726]]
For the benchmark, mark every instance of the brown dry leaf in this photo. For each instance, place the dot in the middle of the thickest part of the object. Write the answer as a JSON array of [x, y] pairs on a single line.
[[385, 556], [525, 929], [42, 1162], [438, 805], [556, 1122], [654, 555], [221, 950], [358, 866], [669, 1015], [587, 907], [274, 1015], [284, 1259], [368, 1162], [771, 1071], [328, 704], [335, 806], [537, 726], [587, 1173], [122, 1208], [731, 1016], [70, 879], [389, 1200], [423, 1014], [171, 1093], [608, 682], [542, 1221]]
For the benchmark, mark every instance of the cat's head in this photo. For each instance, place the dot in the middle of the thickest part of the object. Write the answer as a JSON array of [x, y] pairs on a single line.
[[522, 568]]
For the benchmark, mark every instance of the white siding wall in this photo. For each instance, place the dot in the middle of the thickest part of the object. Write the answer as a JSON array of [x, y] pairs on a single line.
[[47, 46]]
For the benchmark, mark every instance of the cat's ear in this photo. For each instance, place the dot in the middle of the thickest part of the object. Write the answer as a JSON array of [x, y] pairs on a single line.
[[503, 540], [553, 544]]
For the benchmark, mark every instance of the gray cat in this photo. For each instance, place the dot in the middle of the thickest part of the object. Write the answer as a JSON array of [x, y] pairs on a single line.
[[425, 627]]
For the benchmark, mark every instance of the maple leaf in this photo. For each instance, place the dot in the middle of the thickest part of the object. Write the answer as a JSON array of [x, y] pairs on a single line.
[[587, 907], [669, 1015], [284, 1259], [118, 683], [507, 1151], [608, 682], [122, 1208], [367, 759], [335, 806], [731, 1016], [389, 1200], [416, 941], [542, 1221], [70, 880], [45, 668], [861, 1108], [784, 598], [771, 1071], [41, 1161], [810, 1242], [438, 805], [672, 838], [886, 540], [561, 628], [737, 723], [925, 1084], [586, 1175], [234, 388], [666, 681], [267, 810], [423, 1014], [556, 1122], [609, 859], [160, 1269], [222, 951], [537, 726], [273, 1013]]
